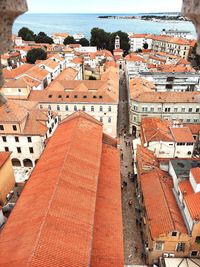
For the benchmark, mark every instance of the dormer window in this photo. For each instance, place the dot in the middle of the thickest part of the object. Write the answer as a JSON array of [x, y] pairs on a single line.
[[84, 96], [94, 96], [50, 96], [67, 96], [14, 128], [100, 96], [59, 96], [75, 96]]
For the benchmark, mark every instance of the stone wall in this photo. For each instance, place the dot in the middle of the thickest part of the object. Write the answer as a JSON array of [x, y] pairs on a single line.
[[9, 11], [191, 9]]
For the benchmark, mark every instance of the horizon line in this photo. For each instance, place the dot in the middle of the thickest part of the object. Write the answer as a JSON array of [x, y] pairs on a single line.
[[157, 12]]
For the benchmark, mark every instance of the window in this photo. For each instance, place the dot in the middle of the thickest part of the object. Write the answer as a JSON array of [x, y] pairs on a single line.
[[75, 96], [16, 139], [159, 246], [101, 119], [49, 107], [135, 108], [83, 108], [195, 120], [175, 109], [14, 128], [19, 90], [167, 109], [109, 109], [67, 96], [92, 108], [144, 109], [50, 96], [84, 96], [58, 107], [152, 109], [66, 108], [197, 240], [31, 150], [29, 139], [59, 96], [190, 110], [100, 96], [159, 109], [100, 108], [6, 148], [41, 106], [75, 108], [109, 119], [1, 128], [194, 253], [188, 120], [197, 110], [4, 138], [180, 247], [19, 150], [175, 233], [183, 110]]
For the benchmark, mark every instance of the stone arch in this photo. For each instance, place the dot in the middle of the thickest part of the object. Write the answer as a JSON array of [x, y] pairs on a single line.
[[27, 163], [16, 162]]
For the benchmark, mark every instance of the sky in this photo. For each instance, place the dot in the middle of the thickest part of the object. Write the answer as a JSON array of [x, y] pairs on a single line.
[[103, 6]]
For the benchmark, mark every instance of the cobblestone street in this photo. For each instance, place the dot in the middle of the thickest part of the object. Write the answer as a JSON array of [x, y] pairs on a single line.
[[132, 238]]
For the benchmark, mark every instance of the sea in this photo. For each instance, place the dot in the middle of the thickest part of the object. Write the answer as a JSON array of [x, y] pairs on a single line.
[[83, 23]]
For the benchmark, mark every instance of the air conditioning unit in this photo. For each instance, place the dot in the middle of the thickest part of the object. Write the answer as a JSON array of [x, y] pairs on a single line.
[[165, 255], [171, 255]]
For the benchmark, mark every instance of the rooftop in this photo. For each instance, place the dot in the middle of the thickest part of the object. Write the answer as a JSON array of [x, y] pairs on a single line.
[[3, 158], [69, 203]]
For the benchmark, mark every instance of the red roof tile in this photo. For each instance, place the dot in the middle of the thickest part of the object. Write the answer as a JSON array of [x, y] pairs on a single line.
[[196, 174], [3, 158], [60, 199], [107, 247], [182, 134]]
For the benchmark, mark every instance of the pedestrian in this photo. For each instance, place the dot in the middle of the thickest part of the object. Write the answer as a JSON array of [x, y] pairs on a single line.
[[124, 183], [136, 249], [122, 187], [130, 203], [122, 156], [126, 143]]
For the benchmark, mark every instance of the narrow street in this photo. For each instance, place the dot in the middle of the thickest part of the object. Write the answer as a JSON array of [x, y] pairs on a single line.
[[133, 249]]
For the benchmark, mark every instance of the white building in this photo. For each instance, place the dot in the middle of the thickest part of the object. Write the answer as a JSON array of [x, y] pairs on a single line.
[[134, 64], [59, 38], [23, 131], [178, 33], [167, 139], [137, 41]]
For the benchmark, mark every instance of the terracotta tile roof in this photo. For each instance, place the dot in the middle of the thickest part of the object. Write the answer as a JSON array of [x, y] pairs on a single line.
[[186, 188], [134, 57], [194, 128], [192, 201], [14, 73], [3, 158], [12, 112], [155, 129], [67, 74], [182, 134], [141, 91], [50, 63], [64, 201], [170, 39], [174, 68], [196, 174], [77, 60], [146, 160], [37, 72], [107, 245]]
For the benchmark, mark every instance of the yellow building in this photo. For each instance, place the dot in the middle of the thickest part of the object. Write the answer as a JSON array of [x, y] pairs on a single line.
[[7, 179]]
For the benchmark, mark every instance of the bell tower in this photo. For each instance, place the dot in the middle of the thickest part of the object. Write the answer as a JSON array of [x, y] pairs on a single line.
[[117, 42]]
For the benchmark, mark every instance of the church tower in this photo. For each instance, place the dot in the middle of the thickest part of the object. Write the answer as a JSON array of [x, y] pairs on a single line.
[[117, 42]]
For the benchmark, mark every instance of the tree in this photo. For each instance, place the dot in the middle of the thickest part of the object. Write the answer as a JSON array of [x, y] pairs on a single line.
[[26, 34], [43, 38], [69, 40], [35, 54], [100, 38], [145, 46], [124, 41], [84, 42]]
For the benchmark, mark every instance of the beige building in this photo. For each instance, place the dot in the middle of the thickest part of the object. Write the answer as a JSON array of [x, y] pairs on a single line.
[[169, 221], [7, 179], [145, 102], [99, 98]]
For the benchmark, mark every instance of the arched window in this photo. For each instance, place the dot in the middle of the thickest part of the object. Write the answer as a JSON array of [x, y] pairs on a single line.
[[16, 163], [27, 163]]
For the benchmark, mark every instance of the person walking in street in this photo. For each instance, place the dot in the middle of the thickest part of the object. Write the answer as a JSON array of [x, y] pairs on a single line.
[[130, 202]]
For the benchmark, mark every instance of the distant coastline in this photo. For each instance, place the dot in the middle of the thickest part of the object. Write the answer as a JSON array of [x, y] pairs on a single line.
[[156, 18]]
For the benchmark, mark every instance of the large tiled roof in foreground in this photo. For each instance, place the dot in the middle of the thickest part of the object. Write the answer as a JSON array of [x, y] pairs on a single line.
[[59, 217]]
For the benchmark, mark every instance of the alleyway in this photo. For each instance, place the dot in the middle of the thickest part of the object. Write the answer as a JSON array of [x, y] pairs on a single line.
[[132, 238]]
